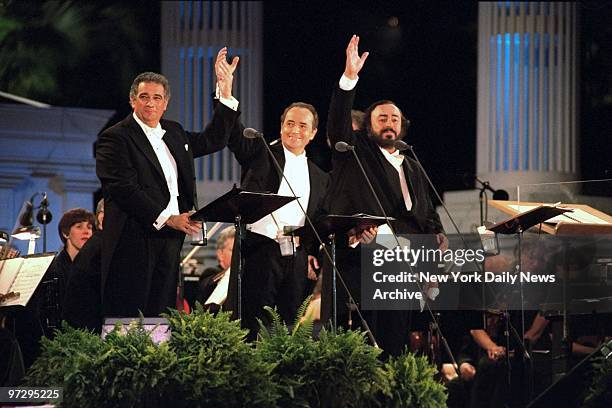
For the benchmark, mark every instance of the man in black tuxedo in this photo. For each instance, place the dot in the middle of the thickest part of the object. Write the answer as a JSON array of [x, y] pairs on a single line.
[[270, 279], [397, 180], [145, 164]]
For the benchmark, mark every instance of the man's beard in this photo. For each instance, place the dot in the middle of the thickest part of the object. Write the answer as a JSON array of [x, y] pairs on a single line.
[[383, 141]]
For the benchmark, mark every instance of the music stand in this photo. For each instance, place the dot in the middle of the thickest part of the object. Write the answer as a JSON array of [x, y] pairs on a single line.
[[331, 225], [517, 225], [240, 207], [523, 221]]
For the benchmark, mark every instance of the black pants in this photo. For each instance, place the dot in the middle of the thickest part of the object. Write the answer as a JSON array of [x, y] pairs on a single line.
[[144, 283], [490, 387], [391, 328], [270, 279], [459, 392], [11, 363]]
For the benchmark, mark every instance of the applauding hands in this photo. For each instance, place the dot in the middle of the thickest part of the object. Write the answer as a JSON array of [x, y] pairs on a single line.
[[225, 73]]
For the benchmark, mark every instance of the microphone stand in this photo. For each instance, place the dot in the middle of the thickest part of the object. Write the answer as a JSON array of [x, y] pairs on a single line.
[[512, 330], [311, 225], [44, 217], [483, 198], [343, 146]]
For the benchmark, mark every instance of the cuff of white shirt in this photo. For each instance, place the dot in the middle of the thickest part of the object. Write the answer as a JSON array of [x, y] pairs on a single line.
[[160, 222], [231, 103], [347, 84], [433, 293]]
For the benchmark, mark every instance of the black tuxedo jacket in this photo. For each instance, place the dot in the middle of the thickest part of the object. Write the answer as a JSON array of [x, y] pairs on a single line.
[[133, 183], [261, 175], [349, 192]]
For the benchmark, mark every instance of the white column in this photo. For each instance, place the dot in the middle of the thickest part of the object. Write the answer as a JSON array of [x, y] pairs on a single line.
[[192, 34], [527, 92]]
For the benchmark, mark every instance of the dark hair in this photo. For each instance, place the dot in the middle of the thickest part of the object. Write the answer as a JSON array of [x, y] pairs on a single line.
[[150, 77], [71, 217], [357, 117], [315, 116], [367, 120]]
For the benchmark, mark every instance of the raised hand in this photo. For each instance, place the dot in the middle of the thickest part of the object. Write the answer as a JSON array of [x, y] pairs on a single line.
[[354, 62], [225, 72]]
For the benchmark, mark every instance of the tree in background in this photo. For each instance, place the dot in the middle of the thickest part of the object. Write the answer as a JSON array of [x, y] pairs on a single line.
[[76, 53]]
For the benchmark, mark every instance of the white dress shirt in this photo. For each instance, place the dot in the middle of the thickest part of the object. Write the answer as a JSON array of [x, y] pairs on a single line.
[[296, 172], [396, 160], [219, 294], [168, 165]]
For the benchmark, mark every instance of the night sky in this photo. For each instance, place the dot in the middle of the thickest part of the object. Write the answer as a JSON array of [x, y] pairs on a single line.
[[422, 56]]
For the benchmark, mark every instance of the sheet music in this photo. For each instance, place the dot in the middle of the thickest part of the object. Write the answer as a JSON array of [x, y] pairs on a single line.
[[8, 271], [28, 278], [578, 216], [522, 208]]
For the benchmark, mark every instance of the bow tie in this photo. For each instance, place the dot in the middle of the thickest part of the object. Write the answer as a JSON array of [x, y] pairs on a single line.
[[296, 159], [157, 133]]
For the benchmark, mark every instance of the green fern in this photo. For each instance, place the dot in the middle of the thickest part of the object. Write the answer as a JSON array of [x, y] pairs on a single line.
[[276, 328], [208, 363], [303, 328], [216, 367], [600, 390], [412, 383]]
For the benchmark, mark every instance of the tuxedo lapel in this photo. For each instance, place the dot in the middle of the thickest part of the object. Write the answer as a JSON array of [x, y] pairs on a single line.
[[388, 180], [411, 178], [315, 191], [184, 161], [141, 141], [279, 154]]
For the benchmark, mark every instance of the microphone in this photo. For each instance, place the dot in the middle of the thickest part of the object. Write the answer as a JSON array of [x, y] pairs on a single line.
[[44, 216], [485, 185], [401, 145], [251, 133], [343, 147]]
